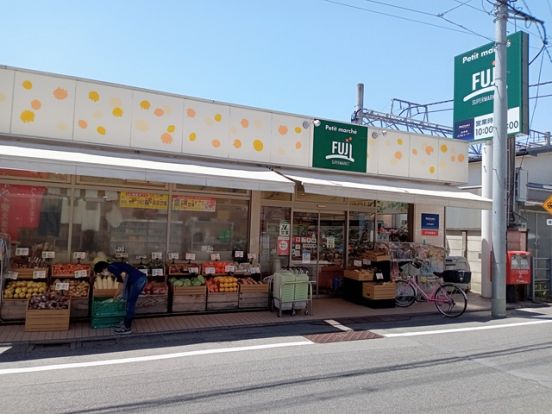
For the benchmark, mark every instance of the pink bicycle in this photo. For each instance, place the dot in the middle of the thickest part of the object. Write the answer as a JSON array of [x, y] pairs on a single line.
[[449, 299]]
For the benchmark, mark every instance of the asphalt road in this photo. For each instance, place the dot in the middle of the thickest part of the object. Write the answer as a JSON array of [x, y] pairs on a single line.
[[424, 364]]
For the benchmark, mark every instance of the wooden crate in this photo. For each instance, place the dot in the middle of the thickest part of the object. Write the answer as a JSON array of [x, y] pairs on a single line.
[[189, 290], [189, 303], [376, 256], [27, 273], [253, 300], [377, 291], [361, 275], [46, 320], [259, 288], [13, 309], [79, 307], [147, 304], [222, 300]]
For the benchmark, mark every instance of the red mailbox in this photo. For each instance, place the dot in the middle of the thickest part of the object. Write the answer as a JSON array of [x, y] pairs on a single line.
[[518, 268]]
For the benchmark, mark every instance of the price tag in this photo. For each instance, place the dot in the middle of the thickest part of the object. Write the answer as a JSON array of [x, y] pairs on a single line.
[[141, 257], [229, 269], [144, 271], [79, 255], [157, 256], [22, 251], [251, 256], [48, 255], [190, 256], [357, 263], [62, 286], [157, 272], [174, 256], [79, 274], [210, 270], [379, 276], [255, 270], [238, 254], [12, 275], [121, 255], [366, 262], [39, 274], [194, 270], [215, 256], [120, 249]]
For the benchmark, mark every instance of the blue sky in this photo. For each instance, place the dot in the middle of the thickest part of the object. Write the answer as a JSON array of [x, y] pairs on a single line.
[[297, 56]]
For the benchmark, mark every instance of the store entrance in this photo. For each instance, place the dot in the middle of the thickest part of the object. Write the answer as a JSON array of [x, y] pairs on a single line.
[[318, 246]]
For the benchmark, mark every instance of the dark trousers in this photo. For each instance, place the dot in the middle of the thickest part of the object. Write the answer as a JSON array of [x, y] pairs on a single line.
[[133, 290]]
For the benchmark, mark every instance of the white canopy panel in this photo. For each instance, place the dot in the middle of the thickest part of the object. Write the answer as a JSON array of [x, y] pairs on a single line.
[[191, 172], [385, 189]]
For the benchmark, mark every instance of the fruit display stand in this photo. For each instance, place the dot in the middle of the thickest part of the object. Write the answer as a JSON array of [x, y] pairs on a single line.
[[15, 297], [222, 293], [47, 312], [188, 292], [76, 276], [253, 294], [155, 296]]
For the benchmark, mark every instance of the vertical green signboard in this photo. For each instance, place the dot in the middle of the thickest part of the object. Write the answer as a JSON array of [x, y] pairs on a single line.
[[340, 146], [474, 75]]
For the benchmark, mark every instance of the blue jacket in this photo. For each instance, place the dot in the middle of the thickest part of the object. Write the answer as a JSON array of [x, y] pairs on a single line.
[[133, 274]]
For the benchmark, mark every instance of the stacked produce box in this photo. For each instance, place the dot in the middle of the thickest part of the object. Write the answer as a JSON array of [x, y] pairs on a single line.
[[188, 290], [74, 280]]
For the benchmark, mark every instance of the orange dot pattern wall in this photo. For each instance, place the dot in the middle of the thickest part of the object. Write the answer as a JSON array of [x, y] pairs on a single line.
[[417, 156], [78, 111]]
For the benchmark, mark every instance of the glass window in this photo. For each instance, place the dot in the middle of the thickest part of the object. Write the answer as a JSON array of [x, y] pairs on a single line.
[[272, 195], [36, 217], [361, 235], [203, 225], [109, 221], [275, 238], [392, 221]]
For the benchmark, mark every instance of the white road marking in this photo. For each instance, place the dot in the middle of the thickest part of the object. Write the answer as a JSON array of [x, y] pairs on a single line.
[[147, 358], [473, 328], [337, 325]]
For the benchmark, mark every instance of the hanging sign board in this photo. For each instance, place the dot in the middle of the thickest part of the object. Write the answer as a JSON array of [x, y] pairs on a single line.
[[143, 200], [187, 203]]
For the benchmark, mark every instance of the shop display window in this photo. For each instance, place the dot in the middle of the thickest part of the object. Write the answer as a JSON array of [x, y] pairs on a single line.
[[36, 217], [275, 239], [392, 222], [128, 222], [362, 234], [205, 225]]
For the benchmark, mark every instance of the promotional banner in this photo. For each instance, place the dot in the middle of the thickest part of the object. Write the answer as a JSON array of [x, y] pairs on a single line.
[[143, 200], [187, 203]]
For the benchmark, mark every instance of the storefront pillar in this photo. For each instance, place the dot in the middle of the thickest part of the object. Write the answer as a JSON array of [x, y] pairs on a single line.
[[255, 222]]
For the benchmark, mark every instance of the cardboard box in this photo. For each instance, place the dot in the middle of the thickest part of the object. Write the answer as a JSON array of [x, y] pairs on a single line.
[[378, 291]]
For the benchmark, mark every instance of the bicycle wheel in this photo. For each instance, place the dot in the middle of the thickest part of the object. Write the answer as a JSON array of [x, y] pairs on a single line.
[[404, 294], [451, 301]]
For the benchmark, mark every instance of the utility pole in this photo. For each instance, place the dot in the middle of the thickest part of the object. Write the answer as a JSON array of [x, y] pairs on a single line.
[[500, 114]]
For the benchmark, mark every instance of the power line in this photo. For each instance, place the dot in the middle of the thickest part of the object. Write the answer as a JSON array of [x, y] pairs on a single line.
[[396, 16]]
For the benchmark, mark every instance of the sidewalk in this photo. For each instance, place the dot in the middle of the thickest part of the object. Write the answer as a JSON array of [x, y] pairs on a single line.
[[323, 309]]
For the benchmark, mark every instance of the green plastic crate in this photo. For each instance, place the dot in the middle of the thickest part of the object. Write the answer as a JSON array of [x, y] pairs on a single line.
[[103, 308], [106, 322]]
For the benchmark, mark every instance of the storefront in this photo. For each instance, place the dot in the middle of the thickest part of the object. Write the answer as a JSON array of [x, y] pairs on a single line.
[[89, 168]]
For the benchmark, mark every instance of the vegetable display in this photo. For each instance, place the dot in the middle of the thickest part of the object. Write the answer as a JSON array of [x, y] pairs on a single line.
[[49, 300], [23, 289]]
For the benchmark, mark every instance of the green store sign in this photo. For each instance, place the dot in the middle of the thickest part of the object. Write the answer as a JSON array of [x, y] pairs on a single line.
[[474, 75], [340, 146]]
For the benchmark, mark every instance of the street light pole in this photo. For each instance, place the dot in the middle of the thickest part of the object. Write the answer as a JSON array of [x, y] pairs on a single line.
[[500, 119]]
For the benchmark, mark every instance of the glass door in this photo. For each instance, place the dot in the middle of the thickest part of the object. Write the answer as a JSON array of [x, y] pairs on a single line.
[[318, 246]]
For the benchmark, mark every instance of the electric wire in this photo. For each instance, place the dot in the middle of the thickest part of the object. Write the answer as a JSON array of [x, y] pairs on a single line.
[[338, 3]]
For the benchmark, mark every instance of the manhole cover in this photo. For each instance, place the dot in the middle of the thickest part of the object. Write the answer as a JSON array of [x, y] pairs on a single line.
[[342, 337]]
